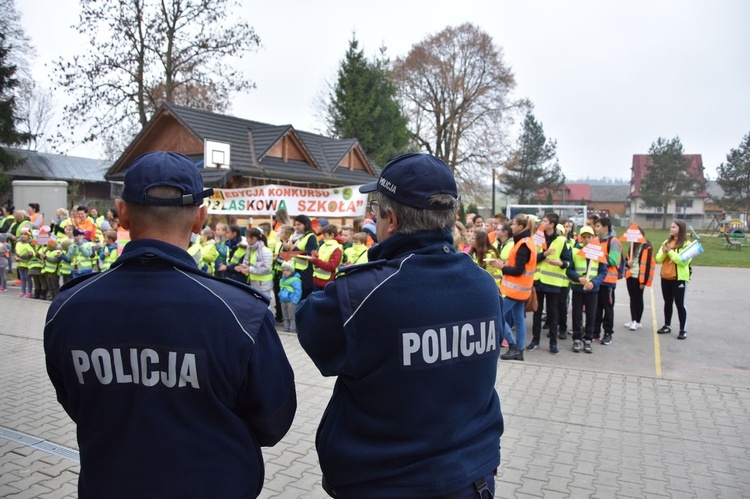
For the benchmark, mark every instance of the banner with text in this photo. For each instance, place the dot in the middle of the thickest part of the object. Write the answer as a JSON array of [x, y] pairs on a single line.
[[264, 200]]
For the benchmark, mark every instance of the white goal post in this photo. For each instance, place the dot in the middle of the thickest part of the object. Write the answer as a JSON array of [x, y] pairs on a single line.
[[576, 212]]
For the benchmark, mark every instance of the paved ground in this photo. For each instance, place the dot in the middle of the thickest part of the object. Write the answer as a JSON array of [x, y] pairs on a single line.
[[648, 416]]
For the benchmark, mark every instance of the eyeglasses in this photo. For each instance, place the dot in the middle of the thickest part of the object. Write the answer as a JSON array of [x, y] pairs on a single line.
[[374, 206]]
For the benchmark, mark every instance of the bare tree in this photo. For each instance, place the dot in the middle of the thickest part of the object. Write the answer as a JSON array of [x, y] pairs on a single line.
[[455, 89], [145, 52], [36, 110]]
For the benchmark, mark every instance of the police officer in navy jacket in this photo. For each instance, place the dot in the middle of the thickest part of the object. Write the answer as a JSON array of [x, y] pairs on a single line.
[[174, 378], [413, 337]]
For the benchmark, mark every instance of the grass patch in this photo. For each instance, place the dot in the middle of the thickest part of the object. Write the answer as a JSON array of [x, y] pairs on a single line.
[[715, 253]]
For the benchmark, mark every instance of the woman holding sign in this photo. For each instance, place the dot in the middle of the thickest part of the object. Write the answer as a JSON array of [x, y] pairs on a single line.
[[675, 274], [640, 272]]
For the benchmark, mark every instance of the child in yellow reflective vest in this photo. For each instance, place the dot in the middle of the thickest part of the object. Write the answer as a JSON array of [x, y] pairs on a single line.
[[108, 253], [23, 252], [52, 257], [357, 252]]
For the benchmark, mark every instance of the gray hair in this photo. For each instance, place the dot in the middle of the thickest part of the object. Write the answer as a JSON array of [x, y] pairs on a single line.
[[179, 216], [411, 220]]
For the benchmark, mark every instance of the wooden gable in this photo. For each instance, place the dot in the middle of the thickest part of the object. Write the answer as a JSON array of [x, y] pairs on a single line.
[[355, 159], [290, 147], [163, 133]]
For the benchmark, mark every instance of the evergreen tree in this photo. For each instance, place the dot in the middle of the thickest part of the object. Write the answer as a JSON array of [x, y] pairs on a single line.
[[734, 177], [363, 105], [534, 165], [9, 134], [668, 177]]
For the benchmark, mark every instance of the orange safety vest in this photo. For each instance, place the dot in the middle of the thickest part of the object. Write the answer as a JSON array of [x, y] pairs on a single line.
[[611, 270], [646, 267], [519, 287]]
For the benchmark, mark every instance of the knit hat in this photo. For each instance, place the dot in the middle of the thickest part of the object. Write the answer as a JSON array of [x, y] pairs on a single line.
[[287, 265]]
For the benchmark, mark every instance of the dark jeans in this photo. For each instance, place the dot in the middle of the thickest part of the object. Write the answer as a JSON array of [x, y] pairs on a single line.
[[549, 300], [581, 300], [636, 299], [306, 276], [605, 310], [673, 292], [277, 289]]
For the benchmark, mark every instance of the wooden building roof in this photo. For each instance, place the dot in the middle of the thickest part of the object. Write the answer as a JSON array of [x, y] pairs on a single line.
[[263, 152]]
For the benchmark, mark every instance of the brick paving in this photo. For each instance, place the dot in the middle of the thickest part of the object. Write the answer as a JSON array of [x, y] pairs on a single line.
[[570, 432]]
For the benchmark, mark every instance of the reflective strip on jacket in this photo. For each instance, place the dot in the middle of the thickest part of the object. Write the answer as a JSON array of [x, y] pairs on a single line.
[[646, 265], [550, 274], [109, 258], [25, 252], [611, 269], [52, 261], [584, 268], [300, 245], [519, 287], [252, 258], [324, 253]]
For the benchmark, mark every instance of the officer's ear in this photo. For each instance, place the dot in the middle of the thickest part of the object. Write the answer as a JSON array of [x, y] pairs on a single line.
[[200, 218], [392, 222], [122, 213]]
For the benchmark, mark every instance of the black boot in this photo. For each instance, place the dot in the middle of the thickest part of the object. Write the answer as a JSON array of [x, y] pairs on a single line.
[[513, 353]]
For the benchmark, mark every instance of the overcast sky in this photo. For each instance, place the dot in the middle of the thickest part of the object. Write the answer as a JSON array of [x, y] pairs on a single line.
[[606, 78]]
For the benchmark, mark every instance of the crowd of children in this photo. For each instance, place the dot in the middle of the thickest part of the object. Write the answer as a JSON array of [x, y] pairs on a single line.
[[286, 261], [543, 262], [292, 258]]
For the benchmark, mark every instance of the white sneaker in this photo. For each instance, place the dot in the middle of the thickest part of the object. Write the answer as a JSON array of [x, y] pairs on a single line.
[[638, 325], [630, 325], [634, 325]]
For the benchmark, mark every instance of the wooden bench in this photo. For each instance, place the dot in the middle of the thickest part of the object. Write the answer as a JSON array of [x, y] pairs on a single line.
[[732, 243]]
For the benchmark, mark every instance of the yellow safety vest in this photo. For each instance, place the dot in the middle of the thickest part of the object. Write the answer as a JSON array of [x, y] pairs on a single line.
[[36, 262], [584, 267], [254, 258], [301, 263], [82, 261], [354, 252], [324, 253], [51, 267], [26, 252], [109, 259], [552, 275]]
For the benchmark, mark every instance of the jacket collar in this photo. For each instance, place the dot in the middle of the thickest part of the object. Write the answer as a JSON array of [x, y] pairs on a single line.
[[153, 248], [419, 242]]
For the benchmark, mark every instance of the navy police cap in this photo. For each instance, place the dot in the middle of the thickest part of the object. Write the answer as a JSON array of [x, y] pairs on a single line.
[[164, 168], [411, 179]]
